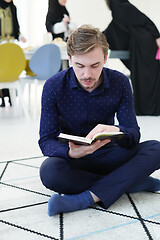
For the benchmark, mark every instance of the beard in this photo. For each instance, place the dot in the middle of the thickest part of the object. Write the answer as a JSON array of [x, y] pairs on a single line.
[[89, 84]]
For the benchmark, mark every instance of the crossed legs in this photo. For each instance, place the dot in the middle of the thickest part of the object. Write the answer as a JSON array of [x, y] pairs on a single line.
[[113, 173]]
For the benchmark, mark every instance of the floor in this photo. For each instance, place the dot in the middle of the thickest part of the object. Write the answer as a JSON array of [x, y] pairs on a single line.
[[23, 199]]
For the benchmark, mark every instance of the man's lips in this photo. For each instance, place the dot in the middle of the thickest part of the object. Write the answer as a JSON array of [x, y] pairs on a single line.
[[87, 82]]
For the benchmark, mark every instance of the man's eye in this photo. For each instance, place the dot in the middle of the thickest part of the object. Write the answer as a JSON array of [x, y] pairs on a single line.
[[80, 66], [95, 66]]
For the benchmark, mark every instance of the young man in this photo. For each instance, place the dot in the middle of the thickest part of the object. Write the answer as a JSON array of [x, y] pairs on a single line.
[[83, 100]]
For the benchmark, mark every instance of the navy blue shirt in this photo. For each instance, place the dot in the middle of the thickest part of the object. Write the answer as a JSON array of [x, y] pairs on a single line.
[[68, 108]]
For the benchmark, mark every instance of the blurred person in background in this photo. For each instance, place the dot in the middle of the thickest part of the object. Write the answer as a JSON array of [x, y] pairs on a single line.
[[58, 19], [9, 29], [132, 30]]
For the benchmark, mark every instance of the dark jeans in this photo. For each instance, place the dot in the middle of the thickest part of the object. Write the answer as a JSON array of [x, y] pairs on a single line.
[[108, 175]]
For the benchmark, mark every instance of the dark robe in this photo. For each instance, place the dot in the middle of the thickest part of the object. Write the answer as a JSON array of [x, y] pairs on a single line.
[[132, 30], [15, 34], [55, 14]]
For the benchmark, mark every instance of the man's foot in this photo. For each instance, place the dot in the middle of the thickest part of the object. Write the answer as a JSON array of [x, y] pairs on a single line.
[[69, 203], [150, 184]]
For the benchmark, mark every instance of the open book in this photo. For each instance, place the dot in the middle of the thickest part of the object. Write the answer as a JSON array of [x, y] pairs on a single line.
[[87, 141]]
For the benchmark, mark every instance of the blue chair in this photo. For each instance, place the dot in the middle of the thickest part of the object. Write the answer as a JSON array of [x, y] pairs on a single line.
[[44, 63]]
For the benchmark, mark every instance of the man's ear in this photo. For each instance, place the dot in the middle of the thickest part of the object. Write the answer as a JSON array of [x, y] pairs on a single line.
[[70, 60], [105, 59]]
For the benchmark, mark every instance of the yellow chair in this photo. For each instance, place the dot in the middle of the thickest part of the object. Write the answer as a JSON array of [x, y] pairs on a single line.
[[12, 63]]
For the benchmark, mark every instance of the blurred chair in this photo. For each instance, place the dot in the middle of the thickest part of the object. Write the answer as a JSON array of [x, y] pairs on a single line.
[[12, 63], [45, 62]]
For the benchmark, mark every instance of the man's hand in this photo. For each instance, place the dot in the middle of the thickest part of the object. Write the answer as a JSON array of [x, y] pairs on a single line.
[[102, 128], [78, 151]]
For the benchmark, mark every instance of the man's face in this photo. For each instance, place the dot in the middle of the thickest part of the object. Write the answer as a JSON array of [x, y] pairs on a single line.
[[88, 68]]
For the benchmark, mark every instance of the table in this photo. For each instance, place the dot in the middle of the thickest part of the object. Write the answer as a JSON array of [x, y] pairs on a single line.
[[30, 51], [113, 54], [120, 54]]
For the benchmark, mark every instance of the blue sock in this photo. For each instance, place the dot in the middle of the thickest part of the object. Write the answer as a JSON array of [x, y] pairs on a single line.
[[69, 203], [150, 184]]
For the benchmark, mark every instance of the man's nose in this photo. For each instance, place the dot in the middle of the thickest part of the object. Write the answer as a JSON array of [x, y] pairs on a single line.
[[87, 73]]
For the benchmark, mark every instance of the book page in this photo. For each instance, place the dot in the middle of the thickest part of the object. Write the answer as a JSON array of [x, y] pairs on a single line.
[[86, 141]]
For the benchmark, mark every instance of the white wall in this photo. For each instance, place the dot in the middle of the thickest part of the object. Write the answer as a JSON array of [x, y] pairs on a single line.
[[93, 12], [32, 15]]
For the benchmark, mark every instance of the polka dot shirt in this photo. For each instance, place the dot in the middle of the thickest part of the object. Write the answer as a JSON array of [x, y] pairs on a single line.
[[68, 108]]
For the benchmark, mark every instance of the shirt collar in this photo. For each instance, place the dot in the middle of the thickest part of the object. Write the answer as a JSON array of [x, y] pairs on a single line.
[[72, 80], [75, 84]]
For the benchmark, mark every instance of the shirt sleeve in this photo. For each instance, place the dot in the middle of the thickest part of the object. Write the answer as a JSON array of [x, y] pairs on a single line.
[[127, 118], [59, 27], [49, 144]]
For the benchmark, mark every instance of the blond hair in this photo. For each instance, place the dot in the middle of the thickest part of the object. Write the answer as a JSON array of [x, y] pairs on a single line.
[[86, 38]]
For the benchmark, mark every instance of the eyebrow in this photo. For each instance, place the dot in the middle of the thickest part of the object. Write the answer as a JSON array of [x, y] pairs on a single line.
[[84, 65]]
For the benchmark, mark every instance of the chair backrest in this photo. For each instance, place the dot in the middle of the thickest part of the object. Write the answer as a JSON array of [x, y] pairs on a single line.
[[12, 62], [46, 61]]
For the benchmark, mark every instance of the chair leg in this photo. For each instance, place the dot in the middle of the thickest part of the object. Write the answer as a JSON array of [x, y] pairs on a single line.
[[29, 96], [21, 100], [26, 88], [35, 100], [12, 93]]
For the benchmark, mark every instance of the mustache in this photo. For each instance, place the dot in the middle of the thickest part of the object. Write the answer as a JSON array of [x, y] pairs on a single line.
[[87, 79]]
